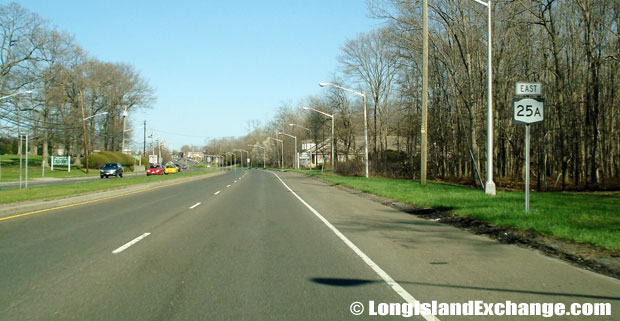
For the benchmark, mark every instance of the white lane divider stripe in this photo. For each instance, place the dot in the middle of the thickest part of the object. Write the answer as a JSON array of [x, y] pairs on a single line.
[[227, 185], [216, 193], [194, 206], [134, 241], [386, 277]]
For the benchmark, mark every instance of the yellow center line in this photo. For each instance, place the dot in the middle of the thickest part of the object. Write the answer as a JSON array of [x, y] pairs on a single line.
[[97, 200]]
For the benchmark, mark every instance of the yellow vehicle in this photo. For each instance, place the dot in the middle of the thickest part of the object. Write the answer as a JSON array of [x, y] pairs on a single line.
[[171, 169]]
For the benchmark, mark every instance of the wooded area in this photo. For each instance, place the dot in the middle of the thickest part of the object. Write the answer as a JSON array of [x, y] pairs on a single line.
[[48, 78], [571, 47]]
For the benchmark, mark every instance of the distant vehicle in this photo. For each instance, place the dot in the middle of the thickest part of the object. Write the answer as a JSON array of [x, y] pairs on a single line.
[[111, 169], [171, 169], [155, 169], [179, 168]]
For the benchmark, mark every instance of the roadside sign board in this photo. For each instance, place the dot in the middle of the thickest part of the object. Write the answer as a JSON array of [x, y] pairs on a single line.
[[153, 159], [61, 161], [528, 110], [528, 89]]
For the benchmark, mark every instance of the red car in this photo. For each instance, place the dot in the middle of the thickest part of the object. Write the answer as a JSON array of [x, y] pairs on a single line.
[[155, 169]]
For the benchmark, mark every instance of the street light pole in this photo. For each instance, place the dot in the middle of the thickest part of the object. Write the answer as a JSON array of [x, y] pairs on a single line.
[[295, 156], [282, 156], [333, 138], [263, 148], [363, 95], [490, 185], [5, 97], [423, 130], [309, 133]]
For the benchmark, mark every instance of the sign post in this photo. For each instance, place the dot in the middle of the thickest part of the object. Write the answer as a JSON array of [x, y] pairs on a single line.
[[528, 111]]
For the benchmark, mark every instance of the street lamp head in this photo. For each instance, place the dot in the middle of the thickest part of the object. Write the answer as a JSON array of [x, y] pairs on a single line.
[[323, 84], [28, 92], [306, 108]]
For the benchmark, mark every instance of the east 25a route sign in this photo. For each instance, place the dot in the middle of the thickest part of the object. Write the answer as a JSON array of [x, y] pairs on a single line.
[[528, 110]]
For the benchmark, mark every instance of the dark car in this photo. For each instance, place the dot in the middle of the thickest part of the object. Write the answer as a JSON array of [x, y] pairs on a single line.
[[111, 169]]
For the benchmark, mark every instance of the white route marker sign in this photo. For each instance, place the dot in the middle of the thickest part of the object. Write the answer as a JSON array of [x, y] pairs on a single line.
[[528, 110]]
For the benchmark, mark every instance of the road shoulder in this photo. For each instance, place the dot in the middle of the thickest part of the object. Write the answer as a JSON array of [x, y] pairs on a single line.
[[435, 261]]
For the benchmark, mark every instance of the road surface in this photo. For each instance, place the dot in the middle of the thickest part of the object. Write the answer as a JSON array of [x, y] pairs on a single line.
[[260, 245]]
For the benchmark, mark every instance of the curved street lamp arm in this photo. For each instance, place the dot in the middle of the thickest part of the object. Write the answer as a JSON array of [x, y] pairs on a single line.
[[323, 84]]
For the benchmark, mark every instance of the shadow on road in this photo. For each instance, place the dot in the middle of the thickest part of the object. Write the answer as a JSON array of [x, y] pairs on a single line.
[[359, 282]]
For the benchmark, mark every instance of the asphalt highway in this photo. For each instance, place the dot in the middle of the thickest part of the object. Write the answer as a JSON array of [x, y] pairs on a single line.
[[260, 245]]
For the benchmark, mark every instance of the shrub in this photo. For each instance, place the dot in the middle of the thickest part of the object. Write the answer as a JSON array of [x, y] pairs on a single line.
[[351, 168], [96, 160]]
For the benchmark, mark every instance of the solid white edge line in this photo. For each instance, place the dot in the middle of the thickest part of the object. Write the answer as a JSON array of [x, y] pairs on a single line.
[[386, 277], [194, 206], [217, 192], [132, 242]]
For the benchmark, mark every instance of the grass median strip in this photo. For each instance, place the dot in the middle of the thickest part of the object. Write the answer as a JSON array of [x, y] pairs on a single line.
[[66, 190], [591, 218]]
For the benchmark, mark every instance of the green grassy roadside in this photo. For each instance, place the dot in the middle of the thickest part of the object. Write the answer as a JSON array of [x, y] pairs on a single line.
[[591, 218], [59, 191], [9, 171]]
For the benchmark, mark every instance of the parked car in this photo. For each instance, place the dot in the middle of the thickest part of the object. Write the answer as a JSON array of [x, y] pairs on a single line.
[[171, 169], [179, 168], [155, 169], [111, 169]]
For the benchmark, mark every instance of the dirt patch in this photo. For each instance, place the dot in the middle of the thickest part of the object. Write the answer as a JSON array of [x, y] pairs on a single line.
[[585, 256]]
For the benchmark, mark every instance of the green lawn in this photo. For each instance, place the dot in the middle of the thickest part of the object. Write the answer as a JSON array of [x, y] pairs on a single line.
[[60, 191], [592, 218], [10, 169]]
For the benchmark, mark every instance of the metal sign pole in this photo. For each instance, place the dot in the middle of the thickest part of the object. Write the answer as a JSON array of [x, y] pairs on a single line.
[[21, 152], [26, 161], [527, 168], [528, 111]]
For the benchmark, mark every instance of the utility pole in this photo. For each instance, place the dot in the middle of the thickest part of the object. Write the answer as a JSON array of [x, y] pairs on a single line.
[[159, 149], [124, 122], [144, 146], [423, 130], [84, 130]]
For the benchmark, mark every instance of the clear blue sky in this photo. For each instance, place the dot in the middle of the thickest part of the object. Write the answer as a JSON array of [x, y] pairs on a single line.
[[214, 65]]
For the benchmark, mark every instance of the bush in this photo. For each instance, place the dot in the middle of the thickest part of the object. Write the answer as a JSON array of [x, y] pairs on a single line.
[[351, 168], [97, 160]]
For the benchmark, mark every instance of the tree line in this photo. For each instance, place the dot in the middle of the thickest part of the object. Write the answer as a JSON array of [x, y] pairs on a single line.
[[571, 47], [50, 79]]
